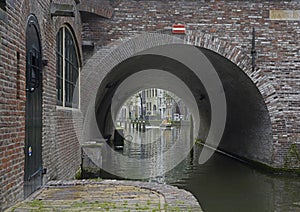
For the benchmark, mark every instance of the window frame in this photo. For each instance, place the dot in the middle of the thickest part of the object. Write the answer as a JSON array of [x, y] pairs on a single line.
[[67, 69]]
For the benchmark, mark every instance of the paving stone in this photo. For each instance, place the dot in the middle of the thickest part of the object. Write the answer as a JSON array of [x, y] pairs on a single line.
[[88, 195]]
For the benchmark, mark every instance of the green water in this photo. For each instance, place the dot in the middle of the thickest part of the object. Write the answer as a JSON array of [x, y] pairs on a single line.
[[221, 184]]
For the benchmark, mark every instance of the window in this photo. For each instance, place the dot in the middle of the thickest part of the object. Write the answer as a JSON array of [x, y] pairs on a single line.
[[67, 70], [154, 108]]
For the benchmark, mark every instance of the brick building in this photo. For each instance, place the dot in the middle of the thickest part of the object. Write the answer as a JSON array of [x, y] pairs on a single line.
[[45, 44], [37, 139]]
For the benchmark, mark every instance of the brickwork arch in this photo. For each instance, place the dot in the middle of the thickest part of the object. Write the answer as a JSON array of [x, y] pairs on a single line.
[[105, 59], [243, 61], [258, 77]]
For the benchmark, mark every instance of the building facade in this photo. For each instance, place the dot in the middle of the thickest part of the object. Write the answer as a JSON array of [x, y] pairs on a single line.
[[153, 104], [41, 58]]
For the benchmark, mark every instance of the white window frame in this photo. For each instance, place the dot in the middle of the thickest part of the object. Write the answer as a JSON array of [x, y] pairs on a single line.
[[63, 106]]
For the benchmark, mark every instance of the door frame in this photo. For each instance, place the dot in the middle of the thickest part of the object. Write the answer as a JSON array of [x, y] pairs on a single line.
[[33, 108]]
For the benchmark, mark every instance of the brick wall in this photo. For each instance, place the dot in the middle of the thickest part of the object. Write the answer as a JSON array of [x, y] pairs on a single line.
[[67, 151], [61, 155], [230, 24], [61, 151], [12, 104]]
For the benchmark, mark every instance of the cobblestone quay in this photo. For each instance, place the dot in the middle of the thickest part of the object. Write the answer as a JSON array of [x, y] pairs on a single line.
[[108, 195]]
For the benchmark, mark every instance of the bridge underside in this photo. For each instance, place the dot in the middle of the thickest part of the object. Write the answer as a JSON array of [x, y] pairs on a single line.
[[248, 130]]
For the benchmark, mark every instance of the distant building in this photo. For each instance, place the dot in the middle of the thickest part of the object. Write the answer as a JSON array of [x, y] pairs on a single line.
[[153, 104]]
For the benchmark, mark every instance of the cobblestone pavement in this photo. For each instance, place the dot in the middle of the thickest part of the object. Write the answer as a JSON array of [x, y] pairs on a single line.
[[108, 195]]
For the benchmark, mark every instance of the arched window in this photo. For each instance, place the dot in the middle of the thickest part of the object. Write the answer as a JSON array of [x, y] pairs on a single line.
[[67, 69]]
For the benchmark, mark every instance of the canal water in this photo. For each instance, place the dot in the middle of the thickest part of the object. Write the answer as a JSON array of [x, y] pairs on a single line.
[[221, 184]]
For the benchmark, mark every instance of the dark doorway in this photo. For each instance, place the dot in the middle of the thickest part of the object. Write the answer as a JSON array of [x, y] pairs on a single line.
[[33, 141]]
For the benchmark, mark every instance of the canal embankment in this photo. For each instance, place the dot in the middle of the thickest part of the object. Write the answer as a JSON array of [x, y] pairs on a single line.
[[108, 195]]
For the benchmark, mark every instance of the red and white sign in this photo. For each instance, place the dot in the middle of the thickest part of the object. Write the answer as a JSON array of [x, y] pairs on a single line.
[[178, 29]]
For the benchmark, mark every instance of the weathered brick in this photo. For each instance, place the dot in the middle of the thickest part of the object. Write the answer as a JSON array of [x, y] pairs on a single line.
[[221, 26], [226, 28], [13, 97]]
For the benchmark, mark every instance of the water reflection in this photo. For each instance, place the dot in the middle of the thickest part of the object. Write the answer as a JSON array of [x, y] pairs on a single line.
[[221, 184], [149, 154]]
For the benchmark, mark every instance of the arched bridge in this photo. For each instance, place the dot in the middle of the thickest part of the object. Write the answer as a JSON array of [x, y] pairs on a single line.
[[249, 78]]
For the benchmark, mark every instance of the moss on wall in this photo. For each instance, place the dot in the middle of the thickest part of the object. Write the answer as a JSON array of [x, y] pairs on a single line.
[[292, 159]]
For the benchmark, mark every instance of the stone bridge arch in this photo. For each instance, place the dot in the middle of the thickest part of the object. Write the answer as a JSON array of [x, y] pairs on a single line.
[[105, 59]]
